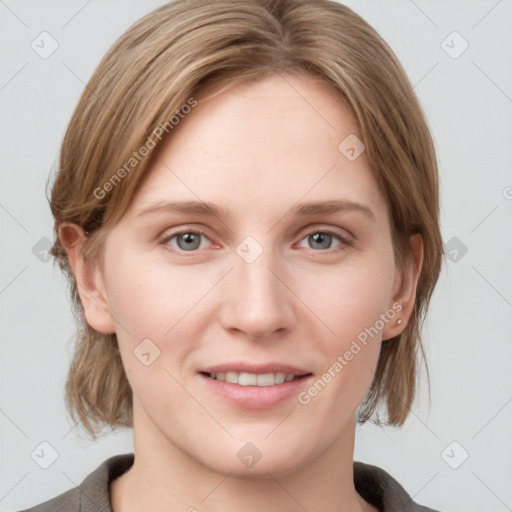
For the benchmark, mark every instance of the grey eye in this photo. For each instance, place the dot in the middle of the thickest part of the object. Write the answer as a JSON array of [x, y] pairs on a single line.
[[188, 241], [322, 240]]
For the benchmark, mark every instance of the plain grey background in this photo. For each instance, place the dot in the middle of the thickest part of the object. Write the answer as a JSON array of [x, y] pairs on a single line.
[[466, 96]]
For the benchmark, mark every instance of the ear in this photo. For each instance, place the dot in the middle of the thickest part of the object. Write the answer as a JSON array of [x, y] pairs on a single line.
[[404, 289], [89, 280]]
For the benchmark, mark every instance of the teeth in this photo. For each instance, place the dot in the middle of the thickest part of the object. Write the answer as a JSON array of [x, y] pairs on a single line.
[[232, 377], [248, 379], [253, 379]]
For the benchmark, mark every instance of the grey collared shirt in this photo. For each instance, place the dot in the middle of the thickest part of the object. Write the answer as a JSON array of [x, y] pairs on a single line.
[[373, 483]]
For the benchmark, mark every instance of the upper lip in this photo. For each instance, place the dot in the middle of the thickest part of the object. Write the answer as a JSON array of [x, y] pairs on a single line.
[[255, 368]]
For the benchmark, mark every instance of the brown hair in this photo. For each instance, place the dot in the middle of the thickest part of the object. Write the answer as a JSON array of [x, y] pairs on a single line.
[[167, 58]]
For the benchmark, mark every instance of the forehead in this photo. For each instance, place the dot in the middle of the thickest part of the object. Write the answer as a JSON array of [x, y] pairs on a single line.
[[267, 142]]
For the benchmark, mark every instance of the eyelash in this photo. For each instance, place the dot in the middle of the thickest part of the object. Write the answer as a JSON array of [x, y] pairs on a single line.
[[167, 237]]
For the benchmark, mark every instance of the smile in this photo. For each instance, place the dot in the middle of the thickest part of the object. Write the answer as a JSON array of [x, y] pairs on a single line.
[[254, 386], [254, 379]]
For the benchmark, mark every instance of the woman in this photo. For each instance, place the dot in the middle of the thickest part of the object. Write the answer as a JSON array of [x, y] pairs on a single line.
[[247, 211]]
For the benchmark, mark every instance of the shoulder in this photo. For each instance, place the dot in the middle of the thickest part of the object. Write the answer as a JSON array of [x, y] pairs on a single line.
[[92, 495], [381, 490]]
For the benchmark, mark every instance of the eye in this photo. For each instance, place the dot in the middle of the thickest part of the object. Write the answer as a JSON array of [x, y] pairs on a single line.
[[190, 241], [323, 239], [186, 241]]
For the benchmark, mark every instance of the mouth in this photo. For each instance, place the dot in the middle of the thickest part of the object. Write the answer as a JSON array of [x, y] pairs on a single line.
[[255, 379], [250, 386]]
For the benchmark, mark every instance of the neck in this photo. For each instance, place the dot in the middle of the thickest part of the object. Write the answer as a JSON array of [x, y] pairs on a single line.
[[164, 478]]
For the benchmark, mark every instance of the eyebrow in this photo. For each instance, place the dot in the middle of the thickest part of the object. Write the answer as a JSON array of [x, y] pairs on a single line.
[[212, 210]]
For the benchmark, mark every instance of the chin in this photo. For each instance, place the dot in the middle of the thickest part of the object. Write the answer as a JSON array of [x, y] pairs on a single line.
[[263, 469], [256, 459]]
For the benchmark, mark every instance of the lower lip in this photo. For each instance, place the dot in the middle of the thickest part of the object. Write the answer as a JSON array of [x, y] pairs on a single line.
[[256, 397]]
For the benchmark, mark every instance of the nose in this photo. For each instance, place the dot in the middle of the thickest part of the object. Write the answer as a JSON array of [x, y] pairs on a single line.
[[256, 299]]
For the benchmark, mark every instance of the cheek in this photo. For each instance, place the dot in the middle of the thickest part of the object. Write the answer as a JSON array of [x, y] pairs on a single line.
[[353, 303], [157, 312], [167, 305], [350, 298], [149, 298]]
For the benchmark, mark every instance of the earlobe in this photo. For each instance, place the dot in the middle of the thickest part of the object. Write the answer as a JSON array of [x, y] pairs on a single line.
[[404, 296], [89, 280]]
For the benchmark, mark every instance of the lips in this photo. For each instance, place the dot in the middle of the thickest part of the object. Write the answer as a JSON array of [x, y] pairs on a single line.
[[255, 386]]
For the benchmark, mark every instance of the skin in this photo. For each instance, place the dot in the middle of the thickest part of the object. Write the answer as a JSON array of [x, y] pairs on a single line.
[[255, 150]]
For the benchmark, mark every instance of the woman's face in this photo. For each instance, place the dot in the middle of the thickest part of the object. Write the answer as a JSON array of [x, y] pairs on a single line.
[[289, 274]]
